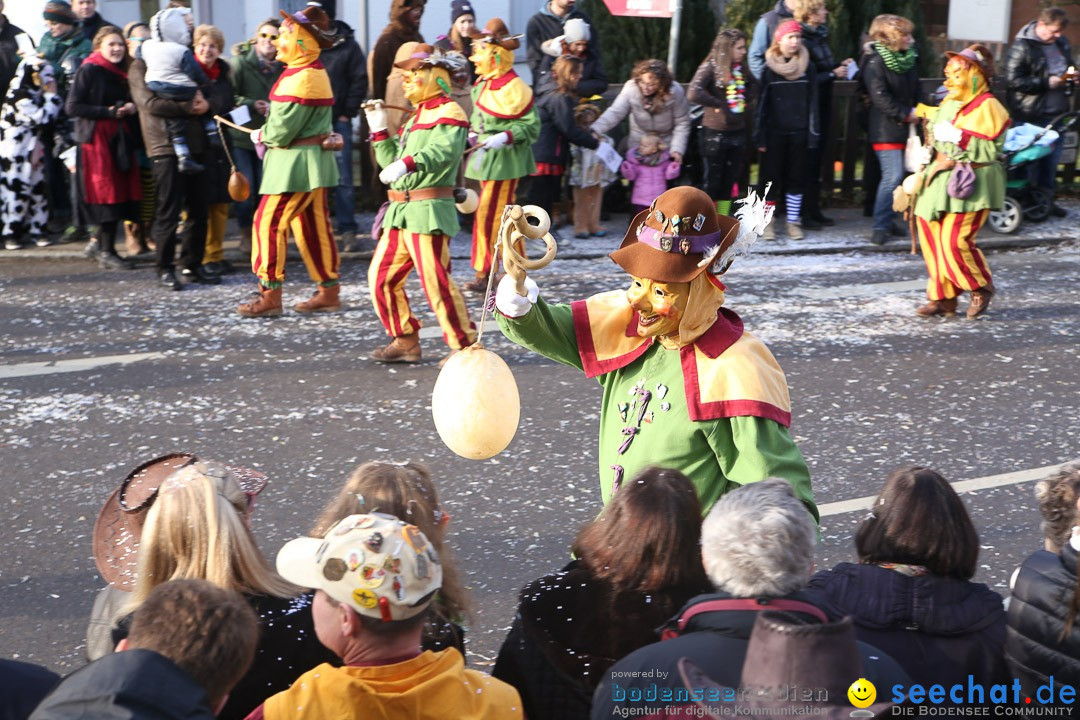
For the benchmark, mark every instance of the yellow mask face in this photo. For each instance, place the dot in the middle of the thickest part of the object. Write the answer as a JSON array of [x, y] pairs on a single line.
[[491, 61], [296, 46], [660, 306], [423, 84], [962, 80]]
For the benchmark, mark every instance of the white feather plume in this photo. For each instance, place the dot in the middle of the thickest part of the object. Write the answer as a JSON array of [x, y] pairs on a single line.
[[754, 215]]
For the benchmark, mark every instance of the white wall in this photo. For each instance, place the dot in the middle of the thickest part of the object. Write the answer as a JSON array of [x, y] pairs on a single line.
[[981, 20]]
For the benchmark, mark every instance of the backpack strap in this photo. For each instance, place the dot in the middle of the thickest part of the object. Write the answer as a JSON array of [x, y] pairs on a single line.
[[752, 604]]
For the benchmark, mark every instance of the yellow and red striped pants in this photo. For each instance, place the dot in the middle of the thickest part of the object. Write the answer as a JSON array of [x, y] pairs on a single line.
[[952, 260], [398, 252], [494, 196], [307, 215]]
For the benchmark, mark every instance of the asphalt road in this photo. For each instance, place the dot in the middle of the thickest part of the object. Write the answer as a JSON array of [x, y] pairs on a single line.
[[873, 387]]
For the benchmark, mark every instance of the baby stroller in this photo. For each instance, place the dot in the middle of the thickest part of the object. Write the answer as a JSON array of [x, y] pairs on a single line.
[[1025, 145]]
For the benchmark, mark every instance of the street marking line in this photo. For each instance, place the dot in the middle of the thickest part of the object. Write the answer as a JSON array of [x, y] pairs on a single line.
[[434, 331], [69, 366], [863, 290], [990, 481]]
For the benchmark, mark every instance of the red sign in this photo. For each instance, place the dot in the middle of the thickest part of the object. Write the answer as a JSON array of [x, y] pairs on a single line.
[[641, 8]]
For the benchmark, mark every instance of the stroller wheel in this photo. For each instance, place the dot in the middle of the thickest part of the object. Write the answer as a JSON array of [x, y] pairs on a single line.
[[1041, 202], [1008, 218]]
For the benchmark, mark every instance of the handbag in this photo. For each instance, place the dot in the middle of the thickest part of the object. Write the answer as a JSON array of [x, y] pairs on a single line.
[[376, 226], [83, 130], [915, 154], [961, 181]]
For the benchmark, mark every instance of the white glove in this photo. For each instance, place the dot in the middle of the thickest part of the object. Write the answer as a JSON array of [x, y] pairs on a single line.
[[510, 303], [496, 141], [376, 116], [256, 137], [947, 132], [477, 158], [393, 172], [553, 47]]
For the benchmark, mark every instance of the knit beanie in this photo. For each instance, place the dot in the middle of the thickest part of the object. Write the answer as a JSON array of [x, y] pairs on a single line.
[[576, 29], [59, 11], [786, 28], [459, 8]]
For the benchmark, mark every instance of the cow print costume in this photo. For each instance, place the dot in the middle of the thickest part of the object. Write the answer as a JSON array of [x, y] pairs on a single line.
[[27, 114]]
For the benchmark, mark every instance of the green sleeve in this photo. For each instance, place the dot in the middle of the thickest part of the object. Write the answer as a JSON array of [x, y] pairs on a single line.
[[750, 449], [385, 151], [285, 122], [526, 129], [443, 146], [546, 329]]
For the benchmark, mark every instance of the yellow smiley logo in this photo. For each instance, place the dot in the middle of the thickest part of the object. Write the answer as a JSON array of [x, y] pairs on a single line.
[[862, 693]]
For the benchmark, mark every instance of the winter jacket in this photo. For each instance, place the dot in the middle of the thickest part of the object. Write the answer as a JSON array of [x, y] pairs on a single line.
[[347, 67], [545, 25], [22, 687], [287, 648], [704, 90], [66, 55], [939, 629], [129, 685], [650, 180], [594, 81], [788, 107], [569, 629], [891, 97], [221, 96], [152, 113], [9, 58], [167, 52], [558, 129], [763, 36], [394, 35], [671, 121], [1041, 594], [716, 642], [95, 22], [252, 80], [1027, 78]]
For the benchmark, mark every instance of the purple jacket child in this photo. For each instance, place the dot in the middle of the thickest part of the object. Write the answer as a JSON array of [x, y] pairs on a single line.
[[650, 175]]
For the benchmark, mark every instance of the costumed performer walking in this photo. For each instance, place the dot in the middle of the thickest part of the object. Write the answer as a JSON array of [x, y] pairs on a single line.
[[685, 387], [420, 168], [506, 126], [297, 171], [955, 198]]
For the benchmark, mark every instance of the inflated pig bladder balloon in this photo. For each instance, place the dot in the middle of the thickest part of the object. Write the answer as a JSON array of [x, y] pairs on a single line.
[[475, 404]]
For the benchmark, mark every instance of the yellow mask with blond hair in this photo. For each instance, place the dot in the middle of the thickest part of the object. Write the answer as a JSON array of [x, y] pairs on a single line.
[[425, 83], [491, 60]]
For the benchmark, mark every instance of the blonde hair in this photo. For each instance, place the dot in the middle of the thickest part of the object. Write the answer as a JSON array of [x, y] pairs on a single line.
[[890, 30], [803, 10], [196, 530], [408, 493], [212, 32]]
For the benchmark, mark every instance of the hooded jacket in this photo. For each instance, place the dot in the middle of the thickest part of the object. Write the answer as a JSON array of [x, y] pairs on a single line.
[[671, 121], [558, 129], [394, 35], [1027, 77], [129, 685], [252, 80], [939, 629], [347, 67], [545, 25], [165, 50], [763, 36]]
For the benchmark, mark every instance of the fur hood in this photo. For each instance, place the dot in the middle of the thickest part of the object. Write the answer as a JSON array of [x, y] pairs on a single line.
[[399, 13]]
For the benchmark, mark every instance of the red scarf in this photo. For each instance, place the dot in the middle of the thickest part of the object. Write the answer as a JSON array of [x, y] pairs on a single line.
[[212, 71], [96, 58]]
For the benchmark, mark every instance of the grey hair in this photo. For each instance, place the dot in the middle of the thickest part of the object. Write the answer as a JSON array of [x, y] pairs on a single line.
[[758, 541]]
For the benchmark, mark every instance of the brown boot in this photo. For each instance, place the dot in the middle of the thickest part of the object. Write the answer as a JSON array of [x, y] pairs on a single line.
[[404, 349], [323, 300], [268, 304], [980, 300], [945, 308], [134, 243]]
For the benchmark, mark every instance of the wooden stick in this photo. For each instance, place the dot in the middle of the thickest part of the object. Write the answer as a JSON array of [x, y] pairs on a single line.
[[233, 125]]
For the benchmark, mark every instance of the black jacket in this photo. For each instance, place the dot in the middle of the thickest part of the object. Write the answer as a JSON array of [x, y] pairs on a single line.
[[788, 107], [716, 641], [890, 97], [558, 129], [1027, 78], [545, 25], [9, 58], [222, 98], [569, 629], [1041, 595], [940, 630], [129, 685], [347, 67], [594, 81], [95, 22], [22, 687]]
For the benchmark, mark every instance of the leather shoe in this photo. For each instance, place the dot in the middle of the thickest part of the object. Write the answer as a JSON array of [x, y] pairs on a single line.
[[945, 308], [199, 275], [404, 349], [880, 237], [810, 224], [112, 261], [823, 220], [898, 230], [167, 279]]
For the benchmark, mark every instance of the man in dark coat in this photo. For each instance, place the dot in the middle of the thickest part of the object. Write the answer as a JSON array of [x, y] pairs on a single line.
[[9, 57], [190, 642], [86, 11], [1039, 74], [547, 24], [347, 67], [404, 27], [763, 35]]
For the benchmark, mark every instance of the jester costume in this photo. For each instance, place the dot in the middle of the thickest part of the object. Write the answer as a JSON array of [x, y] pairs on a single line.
[[968, 127], [297, 171], [420, 168], [706, 397], [506, 126]]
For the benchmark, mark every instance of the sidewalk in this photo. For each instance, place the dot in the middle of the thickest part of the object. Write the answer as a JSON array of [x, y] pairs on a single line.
[[850, 234]]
